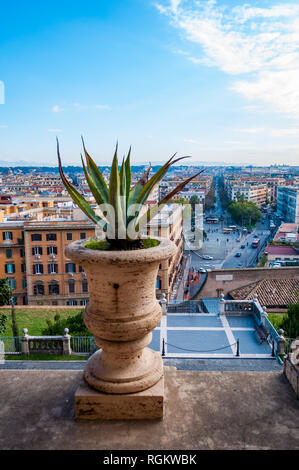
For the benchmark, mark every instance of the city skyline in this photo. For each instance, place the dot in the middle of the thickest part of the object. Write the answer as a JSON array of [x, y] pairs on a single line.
[[216, 80]]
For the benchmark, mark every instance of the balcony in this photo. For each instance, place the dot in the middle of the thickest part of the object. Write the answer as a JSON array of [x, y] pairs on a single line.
[[204, 410]]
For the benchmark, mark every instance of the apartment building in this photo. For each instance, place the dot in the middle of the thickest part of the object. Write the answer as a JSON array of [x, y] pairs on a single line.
[[168, 223], [288, 203], [12, 259], [32, 255], [256, 193], [53, 279]]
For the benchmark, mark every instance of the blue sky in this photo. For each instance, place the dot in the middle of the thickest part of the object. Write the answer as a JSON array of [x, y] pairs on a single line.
[[217, 80]]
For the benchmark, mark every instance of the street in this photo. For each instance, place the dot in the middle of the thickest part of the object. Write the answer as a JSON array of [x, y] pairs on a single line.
[[222, 247]]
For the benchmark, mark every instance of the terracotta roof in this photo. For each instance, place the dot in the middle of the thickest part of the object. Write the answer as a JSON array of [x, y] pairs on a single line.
[[270, 292], [281, 250]]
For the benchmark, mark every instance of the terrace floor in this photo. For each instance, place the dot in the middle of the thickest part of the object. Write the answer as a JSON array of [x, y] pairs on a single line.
[[208, 335], [203, 410]]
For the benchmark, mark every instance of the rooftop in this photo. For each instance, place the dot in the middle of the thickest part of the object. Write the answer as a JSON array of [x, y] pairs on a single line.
[[270, 292], [203, 410], [281, 250]]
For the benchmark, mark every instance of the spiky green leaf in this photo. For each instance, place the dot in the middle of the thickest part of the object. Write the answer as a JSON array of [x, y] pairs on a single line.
[[96, 175], [114, 198], [150, 213], [76, 196], [155, 179], [95, 192]]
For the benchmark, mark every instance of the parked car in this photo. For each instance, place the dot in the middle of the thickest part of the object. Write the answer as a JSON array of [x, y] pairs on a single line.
[[207, 257], [242, 246], [238, 254]]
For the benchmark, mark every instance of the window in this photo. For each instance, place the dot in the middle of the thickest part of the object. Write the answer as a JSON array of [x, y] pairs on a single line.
[[12, 283], [70, 268], [23, 267], [24, 283], [37, 250], [36, 237], [81, 269], [51, 237], [72, 302], [158, 283], [54, 288], [52, 268], [39, 289], [10, 268], [8, 252], [22, 253], [84, 302], [38, 269], [7, 236], [52, 250], [69, 236], [71, 287], [84, 286], [82, 236]]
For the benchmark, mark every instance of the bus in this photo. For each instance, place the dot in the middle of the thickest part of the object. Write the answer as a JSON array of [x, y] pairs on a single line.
[[255, 242], [212, 220], [227, 230], [233, 227]]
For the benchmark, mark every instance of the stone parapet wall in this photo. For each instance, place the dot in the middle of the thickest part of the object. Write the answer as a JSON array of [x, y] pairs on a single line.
[[292, 374]]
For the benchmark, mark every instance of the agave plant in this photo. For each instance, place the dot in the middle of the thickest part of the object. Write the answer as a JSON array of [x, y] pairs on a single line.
[[121, 206]]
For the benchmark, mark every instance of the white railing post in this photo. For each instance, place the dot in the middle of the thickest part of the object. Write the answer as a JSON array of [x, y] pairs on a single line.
[[67, 343], [281, 342], [25, 342], [163, 303], [264, 316], [222, 304]]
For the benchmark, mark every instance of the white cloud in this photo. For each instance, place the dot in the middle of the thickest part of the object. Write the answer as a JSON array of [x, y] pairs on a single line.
[[102, 106], [284, 132], [251, 130], [192, 141], [56, 108], [260, 45]]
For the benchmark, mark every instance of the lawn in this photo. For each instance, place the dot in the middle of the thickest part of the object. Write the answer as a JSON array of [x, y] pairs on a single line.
[[34, 319], [44, 357]]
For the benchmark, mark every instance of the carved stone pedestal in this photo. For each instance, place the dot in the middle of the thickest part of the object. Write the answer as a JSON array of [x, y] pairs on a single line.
[[91, 404], [124, 379]]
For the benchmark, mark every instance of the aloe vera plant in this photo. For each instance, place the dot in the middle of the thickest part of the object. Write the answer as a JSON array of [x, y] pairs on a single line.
[[122, 215]]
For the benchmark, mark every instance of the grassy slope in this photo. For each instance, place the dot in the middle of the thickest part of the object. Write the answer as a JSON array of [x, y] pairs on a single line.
[[45, 357], [35, 319], [276, 319]]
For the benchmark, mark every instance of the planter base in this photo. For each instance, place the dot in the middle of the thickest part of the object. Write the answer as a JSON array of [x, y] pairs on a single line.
[[91, 404]]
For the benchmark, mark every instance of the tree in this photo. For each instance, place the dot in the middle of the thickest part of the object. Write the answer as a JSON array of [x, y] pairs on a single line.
[[75, 324], [5, 297], [290, 323], [5, 292], [244, 212], [210, 197]]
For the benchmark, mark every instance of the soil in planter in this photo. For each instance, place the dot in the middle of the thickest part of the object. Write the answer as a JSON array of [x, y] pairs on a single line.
[[122, 245]]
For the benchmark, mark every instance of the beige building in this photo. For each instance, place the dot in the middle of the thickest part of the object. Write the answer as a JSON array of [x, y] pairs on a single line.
[[169, 224], [256, 193]]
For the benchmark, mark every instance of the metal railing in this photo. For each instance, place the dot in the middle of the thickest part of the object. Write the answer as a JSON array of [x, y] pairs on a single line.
[[83, 345], [189, 306], [11, 344]]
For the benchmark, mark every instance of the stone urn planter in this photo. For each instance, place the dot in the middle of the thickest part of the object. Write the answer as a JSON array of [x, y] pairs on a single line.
[[121, 314]]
